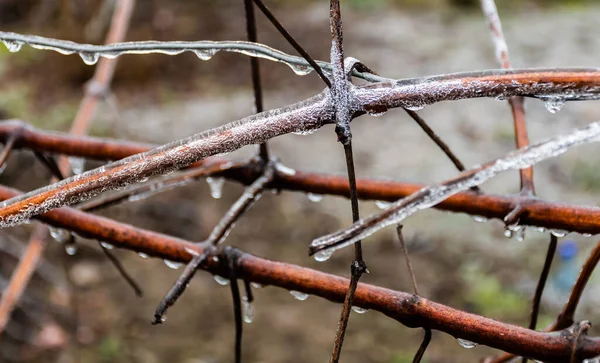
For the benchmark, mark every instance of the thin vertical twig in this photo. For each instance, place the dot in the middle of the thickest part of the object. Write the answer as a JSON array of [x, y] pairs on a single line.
[[537, 298], [121, 269], [263, 150], [516, 103], [340, 92], [237, 308], [427, 337]]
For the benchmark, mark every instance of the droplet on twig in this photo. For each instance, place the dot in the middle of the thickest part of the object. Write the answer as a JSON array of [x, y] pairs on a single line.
[[466, 343], [480, 219], [13, 46], [323, 255], [382, 204], [554, 104], [359, 310], [316, 198], [216, 186], [558, 233], [172, 264], [89, 58], [221, 280], [248, 310], [108, 246], [299, 295]]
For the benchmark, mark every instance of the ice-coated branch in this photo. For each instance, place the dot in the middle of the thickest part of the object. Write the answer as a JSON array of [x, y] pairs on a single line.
[[432, 195], [303, 117], [537, 212], [204, 49]]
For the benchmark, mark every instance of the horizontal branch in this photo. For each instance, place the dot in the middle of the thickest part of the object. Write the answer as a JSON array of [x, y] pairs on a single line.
[[408, 309], [537, 212], [204, 49]]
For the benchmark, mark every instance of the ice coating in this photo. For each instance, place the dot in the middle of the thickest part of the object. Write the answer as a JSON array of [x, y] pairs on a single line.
[[309, 114], [432, 195], [204, 50]]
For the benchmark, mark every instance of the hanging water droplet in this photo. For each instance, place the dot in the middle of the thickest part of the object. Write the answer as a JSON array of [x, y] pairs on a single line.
[[382, 204], [300, 69], [558, 233], [108, 246], [592, 360], [77, 164], [500, 98], [554, 104], [59, 235], [316, 198], [540, 229], [215, 258], [172, 264], [205, 54], [221, 280], [13, 46], [466, 343], [299, 295], [248, 310], [359, 310], [256, 285], [71, 249], [284, 169], [143, 179], [216, 186], [508, 233], [520, 233], [89, 58], [143, 255], [323, 255], [480, 219], [587, 235]]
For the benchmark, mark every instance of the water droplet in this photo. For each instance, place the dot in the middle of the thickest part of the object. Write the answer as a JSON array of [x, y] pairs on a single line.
[[285, 170], [143, 255], [13, 46], [520, 234], [71, 249], [299, 295], [300, 69], [316, 198], [592, 360], [500, 98], [59, 235], [205, 54], [221, 280], [540, 229], [382, 204], [376, 114], [256, 285], [359, 310], [587, 235], [89, 58], [466, 343], [480, 219], [77, 164], [248, 310], [555, 104], [108, 246], [172, 264], [323, 255], [558, 233], [143, 179], [216, 186], [215, 258], [508, 233]]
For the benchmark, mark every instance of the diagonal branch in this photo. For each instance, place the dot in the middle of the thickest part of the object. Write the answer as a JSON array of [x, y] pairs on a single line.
[[429, 196]]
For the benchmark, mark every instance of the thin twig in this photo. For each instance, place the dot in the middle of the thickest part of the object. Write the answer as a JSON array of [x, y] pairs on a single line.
[[119, 266], [537, 298], [263, 151], [407, 258], [423, 346]]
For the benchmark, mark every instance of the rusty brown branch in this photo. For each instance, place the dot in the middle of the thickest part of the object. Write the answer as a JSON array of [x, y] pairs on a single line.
[[538, 212], [408, 309]]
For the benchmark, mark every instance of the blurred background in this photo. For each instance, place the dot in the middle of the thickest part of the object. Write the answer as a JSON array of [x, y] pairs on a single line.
[[78, 309]]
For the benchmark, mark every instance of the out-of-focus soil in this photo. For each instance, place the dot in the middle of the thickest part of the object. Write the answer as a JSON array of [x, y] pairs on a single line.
[[467, 265]]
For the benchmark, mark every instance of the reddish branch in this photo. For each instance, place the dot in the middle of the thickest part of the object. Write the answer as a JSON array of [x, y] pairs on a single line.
[[408, 309], [536, 213], [304, 116]]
